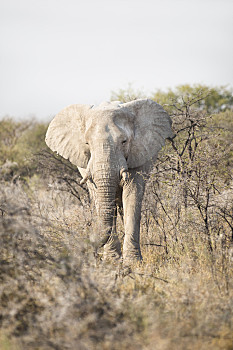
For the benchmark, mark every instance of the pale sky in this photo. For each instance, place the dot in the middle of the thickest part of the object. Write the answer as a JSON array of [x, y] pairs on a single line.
[[60, 52]]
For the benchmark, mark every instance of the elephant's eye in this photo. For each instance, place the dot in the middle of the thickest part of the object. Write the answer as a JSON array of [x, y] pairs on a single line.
[[123, 142]]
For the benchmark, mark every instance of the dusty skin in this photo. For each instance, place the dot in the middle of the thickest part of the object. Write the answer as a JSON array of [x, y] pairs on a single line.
[[114, 146]]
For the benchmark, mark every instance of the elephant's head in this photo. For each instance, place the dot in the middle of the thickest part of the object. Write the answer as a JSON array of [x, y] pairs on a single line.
[[107, 141]]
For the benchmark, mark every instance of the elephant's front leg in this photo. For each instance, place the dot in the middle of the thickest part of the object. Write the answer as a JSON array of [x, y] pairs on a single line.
[[112, 245], [132, 202], [112, 249]]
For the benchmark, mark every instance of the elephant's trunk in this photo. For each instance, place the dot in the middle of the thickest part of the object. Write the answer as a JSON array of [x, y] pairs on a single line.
[[106, 176], [106, 193]]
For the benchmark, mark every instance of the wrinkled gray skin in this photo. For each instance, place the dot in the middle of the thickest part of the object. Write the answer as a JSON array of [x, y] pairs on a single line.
[[114, 146]]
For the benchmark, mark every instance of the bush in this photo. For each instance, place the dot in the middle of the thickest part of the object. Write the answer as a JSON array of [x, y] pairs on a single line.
[[19, 141]]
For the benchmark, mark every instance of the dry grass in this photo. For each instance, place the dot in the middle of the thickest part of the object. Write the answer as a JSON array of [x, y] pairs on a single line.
[[55, 294]]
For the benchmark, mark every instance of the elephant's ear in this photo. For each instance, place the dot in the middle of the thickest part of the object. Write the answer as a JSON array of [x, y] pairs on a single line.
[[152, 126], [65, 134]]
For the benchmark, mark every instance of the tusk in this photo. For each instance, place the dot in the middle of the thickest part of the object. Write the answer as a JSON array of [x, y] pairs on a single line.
[[88, 174], [86, 177], [124, 174]]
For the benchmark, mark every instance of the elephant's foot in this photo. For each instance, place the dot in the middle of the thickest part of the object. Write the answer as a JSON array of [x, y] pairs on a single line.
[[131, 257], [112, 249], [131, 252]]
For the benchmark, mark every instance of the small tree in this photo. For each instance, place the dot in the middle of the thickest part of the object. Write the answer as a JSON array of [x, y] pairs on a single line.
[[191, 173]]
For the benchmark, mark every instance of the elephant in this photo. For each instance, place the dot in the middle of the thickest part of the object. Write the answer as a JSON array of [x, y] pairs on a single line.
[[114, 146]]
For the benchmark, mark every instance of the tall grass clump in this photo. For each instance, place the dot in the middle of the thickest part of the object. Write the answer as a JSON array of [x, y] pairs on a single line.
[[54, 294]]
